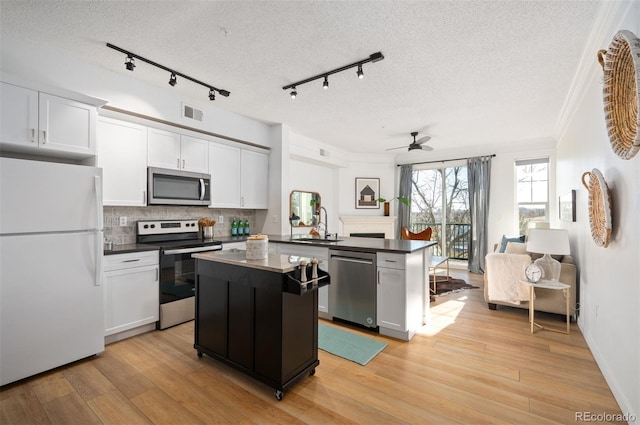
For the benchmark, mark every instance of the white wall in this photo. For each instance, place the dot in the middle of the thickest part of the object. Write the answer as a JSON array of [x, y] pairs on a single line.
[[377, 166], [609, 277]]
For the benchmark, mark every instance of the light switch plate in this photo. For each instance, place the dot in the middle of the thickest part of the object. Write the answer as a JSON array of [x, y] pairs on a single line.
[[220, 219], [123, 221]]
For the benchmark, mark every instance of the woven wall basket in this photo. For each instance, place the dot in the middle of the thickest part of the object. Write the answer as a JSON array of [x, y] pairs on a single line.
[[599, 206], [621, 93]]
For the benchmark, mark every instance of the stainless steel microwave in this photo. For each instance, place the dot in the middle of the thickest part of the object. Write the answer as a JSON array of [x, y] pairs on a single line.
[[175, 187]]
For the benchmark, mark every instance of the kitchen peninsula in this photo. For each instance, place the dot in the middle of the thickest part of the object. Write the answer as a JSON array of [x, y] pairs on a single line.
[[256, 316], [385, 280]]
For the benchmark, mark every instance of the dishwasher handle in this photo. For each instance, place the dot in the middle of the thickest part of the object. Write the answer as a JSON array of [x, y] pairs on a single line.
[[352, 259]]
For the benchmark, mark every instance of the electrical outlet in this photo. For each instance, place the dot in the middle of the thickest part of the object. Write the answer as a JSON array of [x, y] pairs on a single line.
[[274, 218], [220, 219], [123, 221]]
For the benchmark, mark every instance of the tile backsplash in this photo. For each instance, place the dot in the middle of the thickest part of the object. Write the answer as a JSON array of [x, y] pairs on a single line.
[[121, 235]]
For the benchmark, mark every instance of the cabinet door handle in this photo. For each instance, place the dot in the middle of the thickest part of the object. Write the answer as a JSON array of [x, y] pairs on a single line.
[[44, 136], [133, 260], [157, 274], [33, 135], [178, 163], [144, 197], [378, 277], [391, 261], [184, 162]]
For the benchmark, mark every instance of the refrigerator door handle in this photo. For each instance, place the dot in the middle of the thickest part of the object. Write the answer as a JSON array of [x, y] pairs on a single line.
[[98, 185]]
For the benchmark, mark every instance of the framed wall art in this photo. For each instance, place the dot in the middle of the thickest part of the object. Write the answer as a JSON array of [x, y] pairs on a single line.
[[367, 192], [567, 206]]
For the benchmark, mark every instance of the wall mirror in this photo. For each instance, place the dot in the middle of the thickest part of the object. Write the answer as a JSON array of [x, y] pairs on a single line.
[[304, 208]]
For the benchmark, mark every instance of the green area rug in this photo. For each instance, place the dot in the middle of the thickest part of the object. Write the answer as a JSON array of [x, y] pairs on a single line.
[[348, 345]]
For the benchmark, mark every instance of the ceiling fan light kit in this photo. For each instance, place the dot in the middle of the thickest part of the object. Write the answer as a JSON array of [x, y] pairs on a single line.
[[374, 57], [416, 144]]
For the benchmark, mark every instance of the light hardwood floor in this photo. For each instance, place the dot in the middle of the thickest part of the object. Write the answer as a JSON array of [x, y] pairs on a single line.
[[469, 366]]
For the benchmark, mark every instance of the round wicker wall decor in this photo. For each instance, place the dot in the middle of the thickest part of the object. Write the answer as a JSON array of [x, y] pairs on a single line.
[[621, 93], [599, 206]]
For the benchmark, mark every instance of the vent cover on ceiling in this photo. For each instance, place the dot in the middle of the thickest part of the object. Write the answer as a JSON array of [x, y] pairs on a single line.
[[191, 113]]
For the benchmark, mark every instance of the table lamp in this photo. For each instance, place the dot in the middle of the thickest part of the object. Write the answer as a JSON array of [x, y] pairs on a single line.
[[548, 242]]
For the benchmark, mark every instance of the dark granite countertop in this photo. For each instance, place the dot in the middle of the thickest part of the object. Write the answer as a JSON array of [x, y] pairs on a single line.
[[127, 248], [358, 244]]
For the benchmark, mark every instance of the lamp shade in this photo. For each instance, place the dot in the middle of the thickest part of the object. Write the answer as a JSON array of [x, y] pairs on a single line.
[[548, 241]]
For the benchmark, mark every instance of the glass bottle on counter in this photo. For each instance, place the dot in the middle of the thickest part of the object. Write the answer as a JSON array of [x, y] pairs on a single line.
[[234, 227], [240, 230], [246, 227]]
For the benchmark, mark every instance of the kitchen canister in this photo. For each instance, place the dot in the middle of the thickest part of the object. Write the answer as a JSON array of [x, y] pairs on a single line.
[[257, 247]]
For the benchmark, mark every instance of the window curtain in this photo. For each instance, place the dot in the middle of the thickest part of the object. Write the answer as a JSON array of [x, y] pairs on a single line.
[[404, 211], [479, 176]]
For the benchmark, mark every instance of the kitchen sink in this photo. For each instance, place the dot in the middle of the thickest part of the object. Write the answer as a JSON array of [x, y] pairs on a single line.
[[318, 240]]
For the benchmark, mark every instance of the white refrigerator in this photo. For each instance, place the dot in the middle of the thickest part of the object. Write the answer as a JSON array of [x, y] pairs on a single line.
[[51, 298]]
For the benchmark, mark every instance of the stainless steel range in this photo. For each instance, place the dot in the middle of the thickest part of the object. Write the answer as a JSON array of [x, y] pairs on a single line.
[[177, 240]]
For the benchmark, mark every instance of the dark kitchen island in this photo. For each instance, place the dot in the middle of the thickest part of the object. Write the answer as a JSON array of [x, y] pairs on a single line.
[[255, 316]]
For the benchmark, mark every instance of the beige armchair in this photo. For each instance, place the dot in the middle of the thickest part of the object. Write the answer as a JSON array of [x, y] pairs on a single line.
[[509, 267]]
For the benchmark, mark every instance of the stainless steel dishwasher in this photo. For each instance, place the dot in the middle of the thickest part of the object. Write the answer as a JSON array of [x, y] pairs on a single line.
[[352, 293]]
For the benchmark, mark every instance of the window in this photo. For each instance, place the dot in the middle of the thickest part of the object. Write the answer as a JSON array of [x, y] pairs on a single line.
[[440, 200], [532, 188]]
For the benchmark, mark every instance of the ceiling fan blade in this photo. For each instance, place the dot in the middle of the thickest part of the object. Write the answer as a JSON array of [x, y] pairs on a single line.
[[400, 147], [426, 148], [422, 140]]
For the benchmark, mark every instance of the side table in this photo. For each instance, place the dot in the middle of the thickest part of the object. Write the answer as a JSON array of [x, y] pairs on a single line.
[[547, 284]]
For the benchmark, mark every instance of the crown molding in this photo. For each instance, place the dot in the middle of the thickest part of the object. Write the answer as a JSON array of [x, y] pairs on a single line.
[[608, 21]]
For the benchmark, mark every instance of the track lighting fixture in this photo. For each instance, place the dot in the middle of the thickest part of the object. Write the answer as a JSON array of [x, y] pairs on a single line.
[[173, 80], [374, 57], [129, 63]]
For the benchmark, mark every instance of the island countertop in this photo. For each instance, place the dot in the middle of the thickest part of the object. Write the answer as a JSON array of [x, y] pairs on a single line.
[[273, 263], [357, 244]]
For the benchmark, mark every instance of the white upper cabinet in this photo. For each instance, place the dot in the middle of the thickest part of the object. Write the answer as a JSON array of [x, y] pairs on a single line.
[[122, 155], [239, 177], [35, 120], [254, 182], [177, 152], [224, 167], [194, 154]]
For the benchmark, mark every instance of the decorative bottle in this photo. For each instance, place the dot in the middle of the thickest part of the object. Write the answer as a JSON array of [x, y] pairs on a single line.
[[240, 230], [246, 227], [234, 227]]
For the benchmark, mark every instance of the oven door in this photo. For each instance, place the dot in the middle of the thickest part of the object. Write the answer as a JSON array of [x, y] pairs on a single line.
[[178, 273]]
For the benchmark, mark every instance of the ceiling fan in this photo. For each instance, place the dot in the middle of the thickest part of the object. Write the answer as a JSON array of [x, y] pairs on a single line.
[[417, 144]]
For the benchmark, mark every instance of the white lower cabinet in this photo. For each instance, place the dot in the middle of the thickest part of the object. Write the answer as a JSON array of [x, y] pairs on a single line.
[[131, 291], [400, 294], [311, 252], [390, 301]]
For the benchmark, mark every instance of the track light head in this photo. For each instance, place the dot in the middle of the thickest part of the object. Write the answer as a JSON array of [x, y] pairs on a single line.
[[360, 73], [129, 63], [224, 93], [173, 80], [325, 85], [212, 94], [294, 93]]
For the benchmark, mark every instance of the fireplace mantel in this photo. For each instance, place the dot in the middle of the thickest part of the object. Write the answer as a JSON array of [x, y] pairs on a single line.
[[369, 224]]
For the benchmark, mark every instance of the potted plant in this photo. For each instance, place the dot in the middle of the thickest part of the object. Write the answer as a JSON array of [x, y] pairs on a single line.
[[386, 203]]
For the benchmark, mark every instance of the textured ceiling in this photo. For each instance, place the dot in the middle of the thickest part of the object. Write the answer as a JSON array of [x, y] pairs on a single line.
[[464, 72]]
